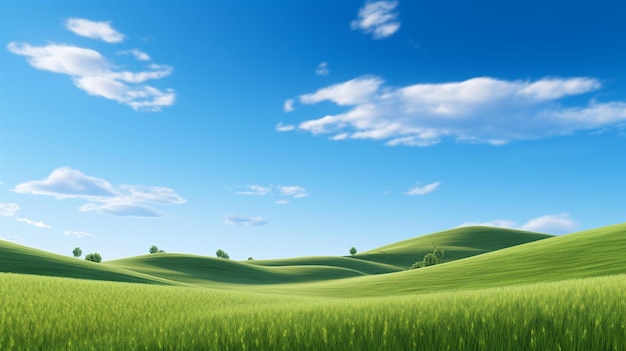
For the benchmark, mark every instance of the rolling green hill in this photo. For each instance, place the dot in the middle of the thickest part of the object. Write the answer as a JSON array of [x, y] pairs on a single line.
[[367, 267], [16, 258], [591, 253], [457, 243], [200, 270]]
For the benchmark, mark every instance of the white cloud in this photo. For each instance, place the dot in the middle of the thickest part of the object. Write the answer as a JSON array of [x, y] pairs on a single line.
[[93, 73], [94, 30], [77, 234], [557, 223], [423, 190], [255, 190], [322, 69], [554, 224], [499, 223], [244, 220], [377, 18], [293, 191], [282, 202], [477, 110], [288, 105], [284, 127], [102, 196], [9, 210], [136, 53], [37, 224]]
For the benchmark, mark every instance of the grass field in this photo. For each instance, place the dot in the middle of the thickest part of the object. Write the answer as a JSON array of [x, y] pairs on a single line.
[[543, 293]]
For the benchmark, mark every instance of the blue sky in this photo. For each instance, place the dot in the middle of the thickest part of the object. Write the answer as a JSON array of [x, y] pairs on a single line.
[[282, 129]]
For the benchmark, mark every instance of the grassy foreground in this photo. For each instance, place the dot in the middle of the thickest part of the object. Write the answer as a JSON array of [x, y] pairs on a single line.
[[43, 313]]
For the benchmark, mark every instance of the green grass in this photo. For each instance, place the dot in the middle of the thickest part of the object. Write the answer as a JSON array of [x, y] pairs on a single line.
[[457, 243], [43, 313]]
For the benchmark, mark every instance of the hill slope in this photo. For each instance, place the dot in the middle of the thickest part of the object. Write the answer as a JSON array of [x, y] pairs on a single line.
[[597, 252], [200, 270], [16, 258], [457, 243], [367, 267]]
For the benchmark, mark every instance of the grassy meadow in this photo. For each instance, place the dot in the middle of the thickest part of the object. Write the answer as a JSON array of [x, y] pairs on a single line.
[[525, 292]]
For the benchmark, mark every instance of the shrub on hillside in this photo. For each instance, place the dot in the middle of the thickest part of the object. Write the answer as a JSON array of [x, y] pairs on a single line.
[[222, 254], [94, 257]]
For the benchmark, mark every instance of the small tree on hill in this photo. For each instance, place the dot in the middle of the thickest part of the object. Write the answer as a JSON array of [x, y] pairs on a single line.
[[222, 254], [353, 251], [77, 252], [154, 249], [94, 257], [250, 258]]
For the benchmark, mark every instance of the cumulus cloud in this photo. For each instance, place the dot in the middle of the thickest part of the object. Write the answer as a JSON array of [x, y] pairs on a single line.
[[9, 210], [477, 110], [77, 234], [293, 191], [554, 224], [37, 224], [245, 220], [102, 196], [94, 30], [95, 74], [322, 69], [377, 18], [557, 223], [423, 190]]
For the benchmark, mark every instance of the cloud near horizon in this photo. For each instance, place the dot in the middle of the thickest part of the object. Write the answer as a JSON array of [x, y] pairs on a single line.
[[553, 224], [102, 196], [92, 72], [477, 110], [78, 234], [377, 18]]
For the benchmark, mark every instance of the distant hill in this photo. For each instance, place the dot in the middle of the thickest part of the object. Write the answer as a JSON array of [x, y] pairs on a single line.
[[367, 267], [200, 270], [591, 253], [16, 258], [457, 243]]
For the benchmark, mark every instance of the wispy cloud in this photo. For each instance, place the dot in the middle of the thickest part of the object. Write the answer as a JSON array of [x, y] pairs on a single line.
[[92, 72], [477, 110], [423, 190], [322, 69], [102, 196], [78, 234], [9, 210], [284, 127], [294, 191], [554, 224], [377, 18], [94, 30], [288, 191], [37, 224], [288, 105], [245, 220], [136, 53], [255, 190]]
